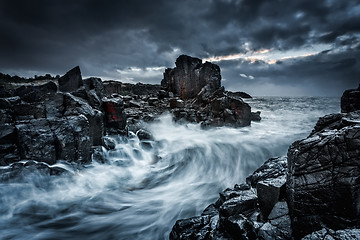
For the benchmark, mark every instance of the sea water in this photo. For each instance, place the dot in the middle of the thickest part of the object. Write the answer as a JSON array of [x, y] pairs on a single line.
[[144, 187]]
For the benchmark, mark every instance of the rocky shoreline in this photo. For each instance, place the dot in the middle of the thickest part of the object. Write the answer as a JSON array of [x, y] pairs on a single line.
[[48, 120], [312, 193]]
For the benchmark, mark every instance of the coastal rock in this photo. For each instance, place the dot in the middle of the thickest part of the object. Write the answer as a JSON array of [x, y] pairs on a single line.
[[54, 105], [201, 227], [227, 111], [7, 103], [239, 227], [18, 171], [176, 103], [96, 85], [191, 91], [35, 93], [127, 89], [41, 113], [75, 106], [72, 138], [92, 92], [36, 141], [350, 100], [7, 133], [4, 92], [71, 81], [243, 201], [279, 218], [272, 168], [28, 111], [114, 115], [329, 234], [324, 175], [236, 215], [189, 76], [82, 137], [255, 116], [49, 140], [269, 192], [8, 144], [322, 178], [237, 94]]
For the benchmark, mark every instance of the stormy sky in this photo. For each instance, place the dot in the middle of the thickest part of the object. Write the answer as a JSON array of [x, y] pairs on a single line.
[[274, 47]]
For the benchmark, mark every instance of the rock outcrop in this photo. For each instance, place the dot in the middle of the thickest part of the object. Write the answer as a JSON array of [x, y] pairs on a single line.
[[324, 176], [350, 100], [190, 76], [198, 85], [47, 124], [191, 91], [67, 117], [71, 81], [313, 193], [239, 214]]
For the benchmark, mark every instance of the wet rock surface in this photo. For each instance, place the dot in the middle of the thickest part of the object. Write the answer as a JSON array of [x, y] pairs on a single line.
[[47, 124], [350, 100], [237, 215], [324, 176], [190, 76], [329, 234], [313, 193]]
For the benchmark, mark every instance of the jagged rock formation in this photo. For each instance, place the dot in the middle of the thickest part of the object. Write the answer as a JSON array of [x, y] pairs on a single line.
[[67, 117], [350, 100], [46, 125], [71, 81], [324, 176], [190, 76], [313, 193], [237, 214], [199, 86], [191, 91]]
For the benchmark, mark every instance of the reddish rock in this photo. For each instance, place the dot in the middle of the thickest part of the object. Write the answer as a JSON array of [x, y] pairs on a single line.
[[115, 117], [189, 76]]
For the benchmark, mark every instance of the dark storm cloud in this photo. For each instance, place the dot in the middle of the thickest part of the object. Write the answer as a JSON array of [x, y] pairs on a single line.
[[108, 38]]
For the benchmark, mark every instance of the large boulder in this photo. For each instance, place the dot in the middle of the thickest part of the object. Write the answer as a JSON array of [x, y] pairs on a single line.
[[36, 141], [49, 140], [350, 100], [72, 138], [8, 144], [71, 81], [323, 180], [189, 76], [75, 106], [115, 117]]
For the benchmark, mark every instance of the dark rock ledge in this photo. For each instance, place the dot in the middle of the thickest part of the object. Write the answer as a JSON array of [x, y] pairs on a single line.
[[313, 193], [47, 120]]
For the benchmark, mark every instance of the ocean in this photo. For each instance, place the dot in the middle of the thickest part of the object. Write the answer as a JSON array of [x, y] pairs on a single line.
[[144, 187]]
